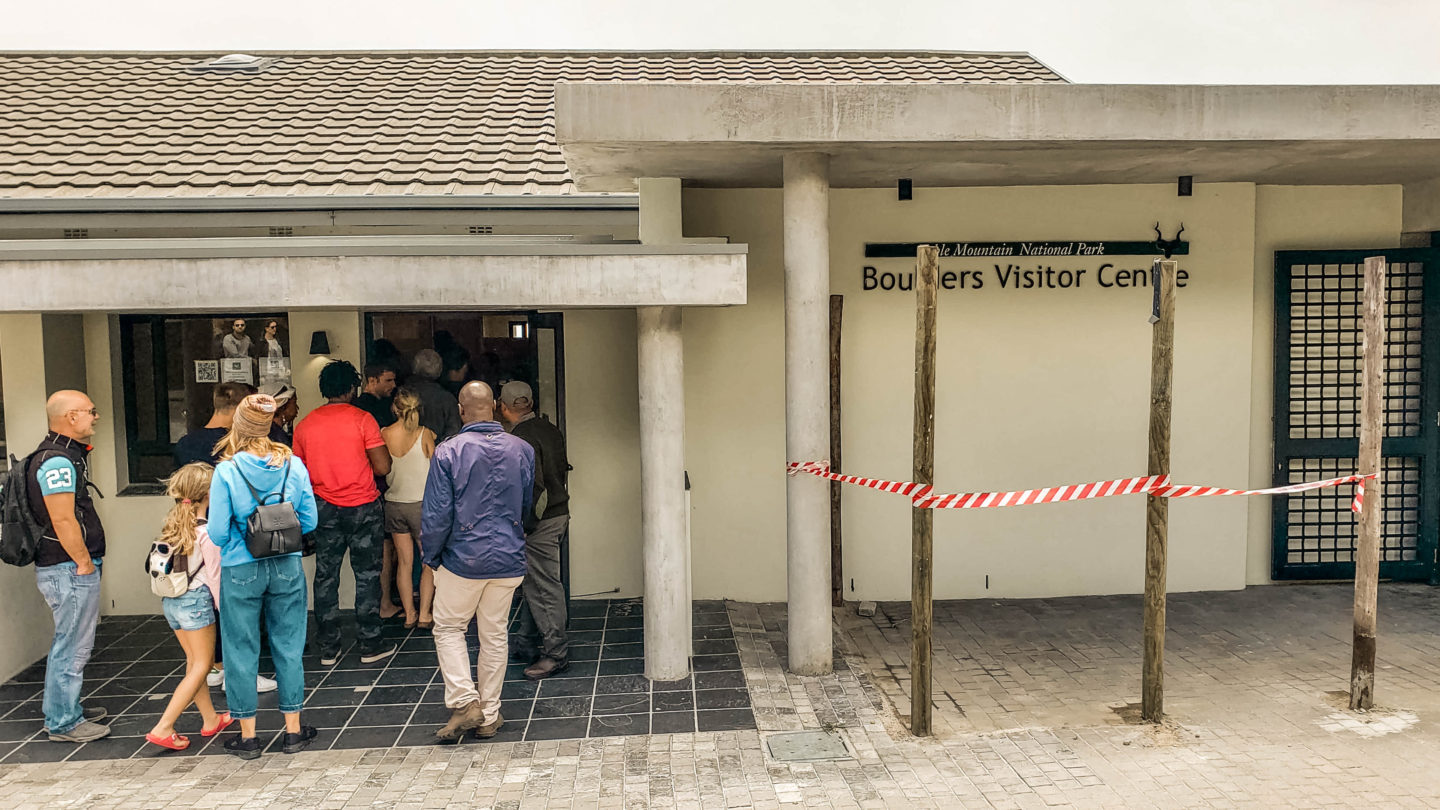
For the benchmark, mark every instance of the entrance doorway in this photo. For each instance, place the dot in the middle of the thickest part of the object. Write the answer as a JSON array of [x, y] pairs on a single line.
[[493, 347], [1318, 306]]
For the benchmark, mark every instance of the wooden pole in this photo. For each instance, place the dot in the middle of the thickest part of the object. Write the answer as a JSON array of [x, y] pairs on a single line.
[[922, 520], [1367, 543], [1157, 510], [837, 574]]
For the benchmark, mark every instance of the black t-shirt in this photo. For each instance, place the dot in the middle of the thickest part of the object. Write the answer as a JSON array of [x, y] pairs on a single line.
[[376, 407], [199, 445]]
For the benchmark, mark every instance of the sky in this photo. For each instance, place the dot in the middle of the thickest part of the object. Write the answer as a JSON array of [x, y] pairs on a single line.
[[1103, 41]]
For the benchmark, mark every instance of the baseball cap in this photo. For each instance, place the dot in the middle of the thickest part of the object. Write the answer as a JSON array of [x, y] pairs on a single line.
[[514, 391], [281, 392]]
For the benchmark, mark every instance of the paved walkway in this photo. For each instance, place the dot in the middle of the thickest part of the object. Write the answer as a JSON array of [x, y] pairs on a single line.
[[1033, 711]]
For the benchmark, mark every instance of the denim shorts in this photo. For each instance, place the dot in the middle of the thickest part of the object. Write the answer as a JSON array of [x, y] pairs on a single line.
[[193, 611]]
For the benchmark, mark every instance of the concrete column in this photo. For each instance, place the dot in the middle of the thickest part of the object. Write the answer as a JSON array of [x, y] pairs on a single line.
[[662, 494], [807, 407]]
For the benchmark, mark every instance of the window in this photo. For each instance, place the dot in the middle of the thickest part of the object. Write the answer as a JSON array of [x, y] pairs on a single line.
[[171, 365]]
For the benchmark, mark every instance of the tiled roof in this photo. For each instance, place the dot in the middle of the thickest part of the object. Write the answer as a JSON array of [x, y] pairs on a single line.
[[319, 124]]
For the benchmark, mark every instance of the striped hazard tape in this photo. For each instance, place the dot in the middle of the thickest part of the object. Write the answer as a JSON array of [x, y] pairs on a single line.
[[923, 496]]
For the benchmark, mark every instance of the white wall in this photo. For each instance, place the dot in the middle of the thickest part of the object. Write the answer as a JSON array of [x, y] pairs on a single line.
[[25, 633], [1036, 387]]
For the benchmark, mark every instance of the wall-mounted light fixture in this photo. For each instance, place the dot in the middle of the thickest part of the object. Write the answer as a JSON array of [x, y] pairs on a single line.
[[905, 189], [319, 342], [1185, 186]]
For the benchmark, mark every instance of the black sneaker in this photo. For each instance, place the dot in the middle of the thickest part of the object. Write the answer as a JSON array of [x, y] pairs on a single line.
[[295, 743], [378, 655], [329, 658], [244, 747]]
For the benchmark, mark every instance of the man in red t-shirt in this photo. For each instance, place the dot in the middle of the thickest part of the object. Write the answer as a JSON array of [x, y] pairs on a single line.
[[341, 446]]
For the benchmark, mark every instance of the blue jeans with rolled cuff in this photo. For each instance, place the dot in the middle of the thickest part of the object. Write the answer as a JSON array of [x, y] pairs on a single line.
[[276, 585], [75, 602]]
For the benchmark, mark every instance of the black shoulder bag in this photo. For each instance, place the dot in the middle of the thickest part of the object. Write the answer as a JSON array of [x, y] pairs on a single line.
[[273, 528]]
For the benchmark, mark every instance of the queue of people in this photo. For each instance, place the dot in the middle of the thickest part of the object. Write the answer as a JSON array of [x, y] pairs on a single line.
[[484, 509]]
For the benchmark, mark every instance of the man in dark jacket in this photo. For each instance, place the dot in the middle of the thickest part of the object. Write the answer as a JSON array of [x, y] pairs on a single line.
[[540, 636], [68, 561], [438, 408], [471, 534]]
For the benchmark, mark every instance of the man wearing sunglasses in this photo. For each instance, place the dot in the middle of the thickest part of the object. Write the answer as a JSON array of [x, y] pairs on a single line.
[[67, 561]]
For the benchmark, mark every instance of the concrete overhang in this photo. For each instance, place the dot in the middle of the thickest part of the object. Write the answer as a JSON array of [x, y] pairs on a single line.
[[998, 134], [384, 273]]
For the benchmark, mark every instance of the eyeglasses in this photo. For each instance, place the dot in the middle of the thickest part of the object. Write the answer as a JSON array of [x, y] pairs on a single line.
[[91, 411]]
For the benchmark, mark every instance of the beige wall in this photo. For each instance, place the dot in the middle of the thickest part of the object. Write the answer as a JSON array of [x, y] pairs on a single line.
[[1298, 218], [25, 632], [1036, 386], [602, 428]]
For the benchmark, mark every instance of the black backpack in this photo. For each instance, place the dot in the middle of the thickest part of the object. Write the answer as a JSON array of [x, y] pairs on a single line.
[[20, 529]]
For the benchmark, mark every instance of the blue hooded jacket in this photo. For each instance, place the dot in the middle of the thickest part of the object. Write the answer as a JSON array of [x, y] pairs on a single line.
[[481, 482], [231, 503]]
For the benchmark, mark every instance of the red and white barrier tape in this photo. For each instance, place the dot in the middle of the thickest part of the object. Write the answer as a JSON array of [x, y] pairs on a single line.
[[923, 496]]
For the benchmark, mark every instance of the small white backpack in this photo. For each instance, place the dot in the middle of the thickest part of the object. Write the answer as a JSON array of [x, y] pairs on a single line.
[[168, 569]]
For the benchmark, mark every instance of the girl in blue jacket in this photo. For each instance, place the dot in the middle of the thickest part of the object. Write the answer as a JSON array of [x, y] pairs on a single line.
[[252, 464]]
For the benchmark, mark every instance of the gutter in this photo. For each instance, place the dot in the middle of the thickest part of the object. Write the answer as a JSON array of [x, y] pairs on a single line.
[[476, 202]]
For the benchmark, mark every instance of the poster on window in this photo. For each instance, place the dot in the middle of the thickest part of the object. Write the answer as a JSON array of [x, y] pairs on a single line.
[[274, 370], [237, 369], [207, 371]]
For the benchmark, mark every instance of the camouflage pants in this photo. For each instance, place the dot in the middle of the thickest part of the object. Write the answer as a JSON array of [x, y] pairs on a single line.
[[361, 531]]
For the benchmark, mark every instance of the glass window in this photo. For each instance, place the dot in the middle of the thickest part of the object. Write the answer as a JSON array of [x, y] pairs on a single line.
[[171, 365]]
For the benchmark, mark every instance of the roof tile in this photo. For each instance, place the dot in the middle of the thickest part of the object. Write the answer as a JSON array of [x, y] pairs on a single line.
[[126, 125]]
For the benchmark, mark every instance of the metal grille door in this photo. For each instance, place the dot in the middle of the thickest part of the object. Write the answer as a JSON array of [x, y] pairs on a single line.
[[1318, 302]]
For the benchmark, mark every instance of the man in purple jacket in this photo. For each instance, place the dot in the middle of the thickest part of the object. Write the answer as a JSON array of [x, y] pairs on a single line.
[[480, 485]]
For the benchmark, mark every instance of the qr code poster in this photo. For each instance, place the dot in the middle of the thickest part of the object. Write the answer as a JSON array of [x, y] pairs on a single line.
[[207, 371]]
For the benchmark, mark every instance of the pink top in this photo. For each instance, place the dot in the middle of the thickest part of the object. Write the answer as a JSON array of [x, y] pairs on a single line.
[[208, 571]]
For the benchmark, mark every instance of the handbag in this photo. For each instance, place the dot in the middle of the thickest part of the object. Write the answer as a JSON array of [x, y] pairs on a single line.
[[273, 528]]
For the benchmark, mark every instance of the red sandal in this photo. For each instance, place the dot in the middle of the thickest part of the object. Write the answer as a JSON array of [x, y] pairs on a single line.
[[222, 722], [175, 742]]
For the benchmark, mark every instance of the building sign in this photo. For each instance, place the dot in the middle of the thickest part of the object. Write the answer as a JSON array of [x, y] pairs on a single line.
[[1090, 265], [906, 250]]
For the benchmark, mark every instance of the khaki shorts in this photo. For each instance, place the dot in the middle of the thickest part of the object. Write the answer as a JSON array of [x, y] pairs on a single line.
[[403, 518]]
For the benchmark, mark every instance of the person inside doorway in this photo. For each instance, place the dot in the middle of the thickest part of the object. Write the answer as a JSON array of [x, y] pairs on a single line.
[[274, 350], [342, 448], [439, 410], [479, 487], [540, 637], [287, 407], [67, 561], [237, 343], [376, 392], [199, 445], [456, 360], [411, 445]]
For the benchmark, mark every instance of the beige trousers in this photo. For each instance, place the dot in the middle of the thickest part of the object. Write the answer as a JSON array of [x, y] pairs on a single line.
[[457, 600]]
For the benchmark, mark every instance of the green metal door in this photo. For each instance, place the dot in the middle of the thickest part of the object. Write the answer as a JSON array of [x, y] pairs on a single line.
[[1318, 307]]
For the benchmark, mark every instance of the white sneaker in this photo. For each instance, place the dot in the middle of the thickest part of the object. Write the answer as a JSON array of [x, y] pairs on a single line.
[[216, 677], [264, 684]]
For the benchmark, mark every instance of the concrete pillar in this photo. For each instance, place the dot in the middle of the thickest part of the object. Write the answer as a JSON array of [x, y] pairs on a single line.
[[662, 493], [807, 407]]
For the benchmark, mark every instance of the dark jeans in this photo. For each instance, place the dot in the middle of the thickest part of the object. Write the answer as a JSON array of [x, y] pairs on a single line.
[[544, 613], [276, 584], [361, 531]]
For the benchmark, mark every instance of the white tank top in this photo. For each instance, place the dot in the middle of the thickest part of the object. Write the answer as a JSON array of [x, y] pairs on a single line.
[[408, 474]]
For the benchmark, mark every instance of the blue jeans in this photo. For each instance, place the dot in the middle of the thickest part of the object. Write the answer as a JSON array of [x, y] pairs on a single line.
[[75, 601], [278, 585]]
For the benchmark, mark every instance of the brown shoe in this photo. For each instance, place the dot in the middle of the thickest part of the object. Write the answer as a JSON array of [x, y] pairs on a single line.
[[490, 729], [545, 667], [461, 720]]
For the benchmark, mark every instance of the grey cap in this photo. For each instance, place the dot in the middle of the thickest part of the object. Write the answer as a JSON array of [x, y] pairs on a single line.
[[512, 392]]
